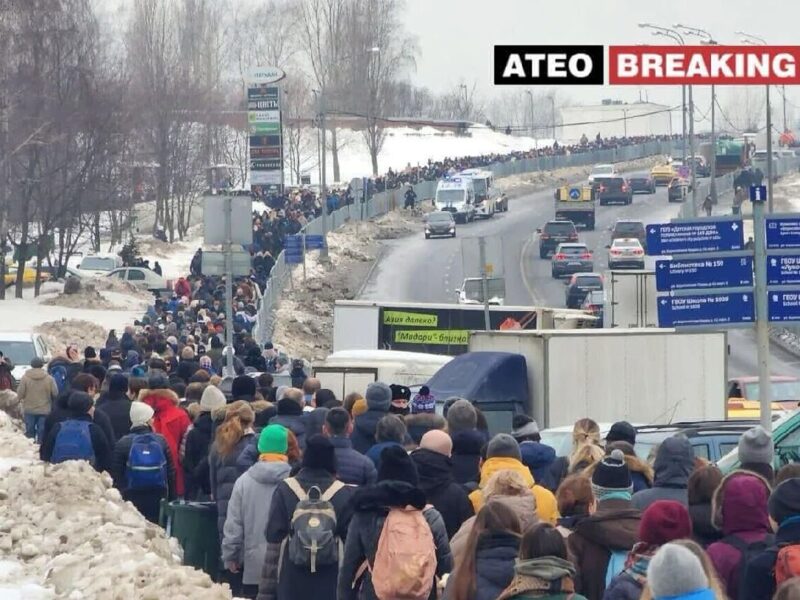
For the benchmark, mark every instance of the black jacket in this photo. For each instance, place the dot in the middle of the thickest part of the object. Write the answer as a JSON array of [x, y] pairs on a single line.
[[352, 467], [195, 458], [291, 416], [117, 407], [371, 507], [102, 449], [441, 490], [363, 436], [466, 457], [223, 473], [61, 413], [758, 579], [703, 532], [494, 565]]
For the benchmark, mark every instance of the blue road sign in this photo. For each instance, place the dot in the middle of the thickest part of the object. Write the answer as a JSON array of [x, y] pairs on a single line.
[[706, 310], [758, 193], [783, 270], [694, 237], [293, 241], [315, 242], [292, 258], [784, 306], [783, 233], [704, 273], [575, 193]]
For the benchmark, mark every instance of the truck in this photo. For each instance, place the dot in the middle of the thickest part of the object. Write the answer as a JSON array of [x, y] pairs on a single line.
[[471, 291], [576, 203], [456, 195], [640, 375], [435, 328], [487, 197], [630, 299]]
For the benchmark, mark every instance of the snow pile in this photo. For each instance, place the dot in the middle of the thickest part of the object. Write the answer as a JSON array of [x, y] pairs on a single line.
[[304, 319], [66, 533], [124, 296], [120, 286], [72, 331]]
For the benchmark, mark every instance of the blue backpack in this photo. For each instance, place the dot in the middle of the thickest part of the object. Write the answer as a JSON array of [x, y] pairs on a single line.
[[616, 564], [147, 464], [59, 374], [73, 442]]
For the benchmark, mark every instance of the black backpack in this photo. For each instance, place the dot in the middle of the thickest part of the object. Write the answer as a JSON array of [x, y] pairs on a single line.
[[748, 552]]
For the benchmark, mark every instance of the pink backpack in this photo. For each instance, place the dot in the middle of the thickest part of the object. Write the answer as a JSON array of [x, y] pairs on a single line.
[[405, 560]]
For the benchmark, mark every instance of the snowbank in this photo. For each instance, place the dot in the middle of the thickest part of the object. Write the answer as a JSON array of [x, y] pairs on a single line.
[[67, 331], [66, 533]]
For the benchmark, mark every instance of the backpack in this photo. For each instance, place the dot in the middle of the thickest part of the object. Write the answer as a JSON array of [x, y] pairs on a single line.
[[616, 564], [73, 442], [405, 559], [147, 464], [747, 552], [312, 541], [787, 564], [59, 374]]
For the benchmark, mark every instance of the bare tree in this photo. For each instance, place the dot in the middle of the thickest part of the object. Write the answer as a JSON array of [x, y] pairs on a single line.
[[745, 108]]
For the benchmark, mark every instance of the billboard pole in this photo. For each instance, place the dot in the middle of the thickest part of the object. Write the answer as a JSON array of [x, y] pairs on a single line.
[[484, 283], [762, 317], [323, 253]]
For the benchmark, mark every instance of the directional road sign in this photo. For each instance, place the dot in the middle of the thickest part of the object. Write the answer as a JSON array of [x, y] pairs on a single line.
[[783, 232], [575, 193], [694, 237], [758, 193], [706, 310], [315, 242], [704, 273], [784, 306], [783, 270]]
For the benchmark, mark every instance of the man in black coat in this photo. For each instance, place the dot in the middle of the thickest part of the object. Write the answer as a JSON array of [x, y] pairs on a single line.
[[352, 467], [379, 400], [198, 443], [116, 405], [462, 420], [435, 469], [83, 382]]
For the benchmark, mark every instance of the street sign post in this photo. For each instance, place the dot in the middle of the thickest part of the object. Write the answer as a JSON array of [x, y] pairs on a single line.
[[784, 307], [704, 273], [315, 242], [758, 193], [706, 310], [783, 232], [694, 237]]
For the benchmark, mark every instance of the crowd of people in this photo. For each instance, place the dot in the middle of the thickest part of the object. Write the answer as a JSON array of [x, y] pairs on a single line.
[[322, 497]]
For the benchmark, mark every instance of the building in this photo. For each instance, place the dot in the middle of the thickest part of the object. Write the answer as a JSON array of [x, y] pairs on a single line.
[[615, 119]]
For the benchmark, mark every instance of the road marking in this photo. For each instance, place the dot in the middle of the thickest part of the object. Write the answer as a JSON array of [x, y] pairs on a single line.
[[534, 296]]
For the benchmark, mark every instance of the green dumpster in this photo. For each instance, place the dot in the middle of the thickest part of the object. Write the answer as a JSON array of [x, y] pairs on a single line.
[[194, 525]]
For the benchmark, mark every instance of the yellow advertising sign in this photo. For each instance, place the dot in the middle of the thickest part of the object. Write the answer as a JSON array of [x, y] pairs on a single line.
[[444, 337], [407, 319]]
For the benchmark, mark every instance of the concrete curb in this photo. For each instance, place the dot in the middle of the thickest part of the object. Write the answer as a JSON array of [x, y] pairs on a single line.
[[378, 257]]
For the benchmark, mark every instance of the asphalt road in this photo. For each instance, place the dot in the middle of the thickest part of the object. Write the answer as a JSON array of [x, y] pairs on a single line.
[[414, 269]]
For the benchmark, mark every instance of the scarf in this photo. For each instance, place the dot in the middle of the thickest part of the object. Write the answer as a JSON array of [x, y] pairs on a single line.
[[638, 560], [273, 457], [548, 574]]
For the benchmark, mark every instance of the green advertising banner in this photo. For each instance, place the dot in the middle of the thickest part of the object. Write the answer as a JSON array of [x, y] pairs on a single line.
[[409, 319]]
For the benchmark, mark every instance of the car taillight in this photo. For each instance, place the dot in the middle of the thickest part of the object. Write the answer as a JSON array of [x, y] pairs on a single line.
[[573, 237], [638, 252], [545, 236], [586, 255], [614, 252], [560, 256], [624, 188], [601, 189]]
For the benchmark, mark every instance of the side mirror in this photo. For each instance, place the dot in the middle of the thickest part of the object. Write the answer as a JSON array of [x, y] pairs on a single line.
[[608, 245], [538, 230]]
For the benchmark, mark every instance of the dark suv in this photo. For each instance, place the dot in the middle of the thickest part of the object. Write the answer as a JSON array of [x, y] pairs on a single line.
[[554, 233], [710, 440], [612, 189], [630, 229]]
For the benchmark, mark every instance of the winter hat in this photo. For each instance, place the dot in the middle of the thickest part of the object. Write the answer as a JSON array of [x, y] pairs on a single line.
[[114, 367], [319, 454], [243, 388], [396, 465], [503, 445], [755, 446], [621, 431], [359, 407], [118, 383], [140, 414], [158, 380], [90, 353], [274, 439], [378, 396], [611, 476], [138, 371], [461, 416], [400, 392], [784, 502], [37, 363], [530, 428], [673, 571], [437, 441], [665, 521], [205, 362], [212, 399]]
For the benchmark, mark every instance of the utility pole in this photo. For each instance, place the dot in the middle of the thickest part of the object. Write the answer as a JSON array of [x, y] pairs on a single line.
[[683, 116], [713, 145], [533, 127], [625, 120], [323, 253], [783, 93], [762, 322], [770, 159], [693, 211], [229, 369], [5, 169], [484, 283], [553, 114]]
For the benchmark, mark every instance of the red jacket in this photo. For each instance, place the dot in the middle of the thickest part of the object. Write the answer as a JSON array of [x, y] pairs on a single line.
[[182, 288], [171, 422]]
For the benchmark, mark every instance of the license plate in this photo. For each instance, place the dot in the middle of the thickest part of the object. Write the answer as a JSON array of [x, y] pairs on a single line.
[[574, 264]]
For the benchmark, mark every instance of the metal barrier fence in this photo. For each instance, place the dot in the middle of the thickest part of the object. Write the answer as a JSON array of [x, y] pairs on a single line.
[[384, 202]]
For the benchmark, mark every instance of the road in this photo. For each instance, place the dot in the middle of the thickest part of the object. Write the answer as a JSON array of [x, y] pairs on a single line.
[[414, 269]]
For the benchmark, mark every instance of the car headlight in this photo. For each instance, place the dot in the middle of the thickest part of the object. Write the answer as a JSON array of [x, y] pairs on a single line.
[[427, 230]]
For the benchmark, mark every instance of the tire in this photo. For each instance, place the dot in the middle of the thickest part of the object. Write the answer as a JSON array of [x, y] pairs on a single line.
[[427, 237], [542, 253], [602, 202], [454, 235], [554, 274]]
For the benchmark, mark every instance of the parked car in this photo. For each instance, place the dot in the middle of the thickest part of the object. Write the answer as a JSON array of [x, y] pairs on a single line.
[[580, 285], [625, 253], [554, 233], [743, 395], [710, 440], [21, 348], [142, 277], [785, 439], [440, 223], [572, 258], [642, 182], [612, 189], [677, 189], [99, 265], [28, 275], [594, 304]]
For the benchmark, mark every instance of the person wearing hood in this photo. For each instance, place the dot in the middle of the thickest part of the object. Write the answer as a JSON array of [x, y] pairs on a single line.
[[488, 563], [198, 444], [740, 512], [664, 521], [146, 500], [244, 388], [379, 399], [462, 425], [676, 573], [502, 453], [169, 420], [390, 431], [116, 405], [131, 360], [397, 487], [536, 456], [612, 529], [244, 545], [756, 453], [435, 470], [352, 467], [315, 420], [36, 392], [700, 492], [543, 570], [673, 465]]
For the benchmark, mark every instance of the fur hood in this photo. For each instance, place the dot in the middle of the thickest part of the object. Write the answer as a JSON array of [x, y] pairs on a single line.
[[426, 420], [156, 397]]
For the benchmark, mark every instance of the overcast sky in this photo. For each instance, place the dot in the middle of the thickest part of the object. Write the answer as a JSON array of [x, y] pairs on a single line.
[[456, 37]]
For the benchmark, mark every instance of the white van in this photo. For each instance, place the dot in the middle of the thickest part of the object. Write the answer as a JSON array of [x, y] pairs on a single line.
[[486, 195], [353, 370], [99, 265], [456, 195]]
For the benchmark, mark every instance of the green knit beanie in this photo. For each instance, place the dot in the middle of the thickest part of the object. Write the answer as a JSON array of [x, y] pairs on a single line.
[[274, 439]]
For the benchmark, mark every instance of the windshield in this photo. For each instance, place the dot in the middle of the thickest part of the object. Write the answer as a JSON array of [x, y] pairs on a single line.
[[632, 228], [440, 217], [480, 186], [98, 263], [473, 290], [573, 250], [559, 228], [589, 283], [20, 353], [450, 196], [603, 170], [781, 390]]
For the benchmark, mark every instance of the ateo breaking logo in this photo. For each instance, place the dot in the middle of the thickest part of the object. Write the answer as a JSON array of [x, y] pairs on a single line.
[[647, 65]]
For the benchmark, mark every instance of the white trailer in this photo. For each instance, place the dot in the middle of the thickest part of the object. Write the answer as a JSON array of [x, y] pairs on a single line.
[[630, 299], [643, 376]]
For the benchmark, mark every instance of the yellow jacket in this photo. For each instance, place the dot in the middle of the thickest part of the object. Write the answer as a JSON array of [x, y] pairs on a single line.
[[546, 506]]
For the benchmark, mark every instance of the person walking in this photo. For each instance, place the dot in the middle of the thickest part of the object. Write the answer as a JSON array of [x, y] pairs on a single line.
[[78, 437], [700, 490], [116, 405], [36, 393], [708, 205], [352, 467], [675, 573], [584, 432], [673, 465], [379, 398], [462, 421], [198, 444]]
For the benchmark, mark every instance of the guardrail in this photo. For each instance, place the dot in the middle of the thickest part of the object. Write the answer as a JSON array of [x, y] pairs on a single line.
[[384, 202]]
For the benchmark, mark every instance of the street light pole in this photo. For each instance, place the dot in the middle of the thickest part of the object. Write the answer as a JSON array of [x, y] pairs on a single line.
[[553, 113], [323, 253], [533, 127]]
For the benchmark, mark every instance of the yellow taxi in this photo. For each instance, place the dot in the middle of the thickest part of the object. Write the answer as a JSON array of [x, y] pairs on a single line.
[[743, 400], [28, 275], [662, 174]]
